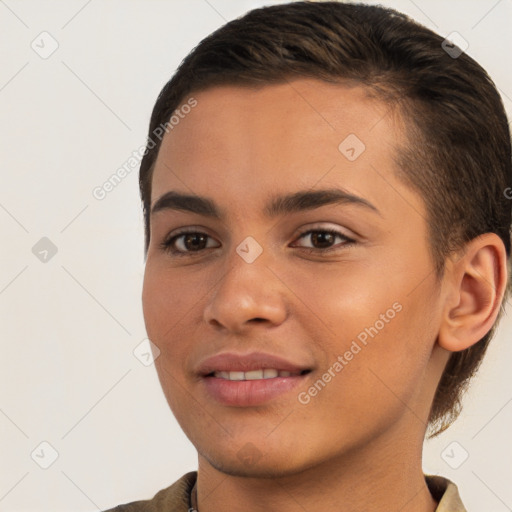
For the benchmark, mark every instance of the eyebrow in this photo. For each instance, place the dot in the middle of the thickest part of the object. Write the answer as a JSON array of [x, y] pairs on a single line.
[[278, 205]]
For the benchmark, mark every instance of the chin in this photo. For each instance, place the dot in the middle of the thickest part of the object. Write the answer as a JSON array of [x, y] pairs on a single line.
[[258, 459], [263, 468]]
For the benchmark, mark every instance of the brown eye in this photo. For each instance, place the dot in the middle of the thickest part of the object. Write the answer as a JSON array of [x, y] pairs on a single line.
[[323, 240], [194, 241], [188, 242]]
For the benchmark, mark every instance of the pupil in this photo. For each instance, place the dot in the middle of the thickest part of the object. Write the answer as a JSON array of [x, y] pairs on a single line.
[[194, 241], [324, 239]]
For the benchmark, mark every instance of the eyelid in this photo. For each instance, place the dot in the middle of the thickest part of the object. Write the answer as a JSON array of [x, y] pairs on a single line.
[[347, 240], [326, 226], [169, 240]]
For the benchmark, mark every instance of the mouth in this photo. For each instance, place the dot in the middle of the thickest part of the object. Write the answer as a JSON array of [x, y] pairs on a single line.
[[254, 388], [259, 374], [255, 378]]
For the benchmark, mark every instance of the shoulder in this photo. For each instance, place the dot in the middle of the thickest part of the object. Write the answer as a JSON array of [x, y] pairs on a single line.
[[174, 498], [446, 493]]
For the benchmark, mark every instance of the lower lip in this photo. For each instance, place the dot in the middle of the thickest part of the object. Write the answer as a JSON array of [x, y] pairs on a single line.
[[244, 393]]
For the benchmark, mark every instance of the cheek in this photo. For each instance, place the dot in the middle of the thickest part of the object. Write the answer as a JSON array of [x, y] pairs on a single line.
[[165, 302], [347, 301], [383, 332], [166, 308]]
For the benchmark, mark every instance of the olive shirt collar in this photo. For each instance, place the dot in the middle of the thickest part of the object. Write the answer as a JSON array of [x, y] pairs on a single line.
[[178, 497]]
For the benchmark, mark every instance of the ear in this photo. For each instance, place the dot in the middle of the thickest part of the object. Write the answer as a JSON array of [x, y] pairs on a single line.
[[476, 284]]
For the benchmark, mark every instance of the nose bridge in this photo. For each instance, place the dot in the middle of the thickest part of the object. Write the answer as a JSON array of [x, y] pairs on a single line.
[[247, 291]]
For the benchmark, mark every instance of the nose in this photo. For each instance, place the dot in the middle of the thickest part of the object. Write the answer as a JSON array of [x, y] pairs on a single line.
[[246, 295]]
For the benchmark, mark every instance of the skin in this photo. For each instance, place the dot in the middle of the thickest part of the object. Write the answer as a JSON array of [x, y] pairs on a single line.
[[358, 442]]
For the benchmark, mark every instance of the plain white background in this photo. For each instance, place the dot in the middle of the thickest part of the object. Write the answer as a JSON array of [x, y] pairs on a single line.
[[70, 324]]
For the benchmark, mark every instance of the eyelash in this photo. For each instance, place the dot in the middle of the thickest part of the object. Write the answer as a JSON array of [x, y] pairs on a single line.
[[168, 244]]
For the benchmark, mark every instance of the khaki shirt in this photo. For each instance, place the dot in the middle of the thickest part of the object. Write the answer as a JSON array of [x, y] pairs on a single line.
[[176, 498]]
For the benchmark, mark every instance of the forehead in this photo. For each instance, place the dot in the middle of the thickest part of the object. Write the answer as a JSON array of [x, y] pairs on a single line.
[[299, 134], [320, 109]]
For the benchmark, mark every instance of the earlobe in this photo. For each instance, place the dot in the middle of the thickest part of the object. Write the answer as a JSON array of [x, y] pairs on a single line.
[[477, 283]]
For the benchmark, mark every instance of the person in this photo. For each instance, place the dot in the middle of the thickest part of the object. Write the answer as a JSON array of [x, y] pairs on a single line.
[[327, 246]]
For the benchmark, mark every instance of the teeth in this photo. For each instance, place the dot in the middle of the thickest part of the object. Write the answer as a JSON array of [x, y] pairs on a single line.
[[236, 375], [254, 374], [266, 373]]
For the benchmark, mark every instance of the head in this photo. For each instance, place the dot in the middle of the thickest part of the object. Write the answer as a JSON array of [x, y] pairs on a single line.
[[262, 108]]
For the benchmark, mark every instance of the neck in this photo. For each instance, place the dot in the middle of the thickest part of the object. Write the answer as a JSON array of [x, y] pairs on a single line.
[[379, 476]]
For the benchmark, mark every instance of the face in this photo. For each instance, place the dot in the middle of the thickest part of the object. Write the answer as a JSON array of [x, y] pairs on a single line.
[[334, 284]]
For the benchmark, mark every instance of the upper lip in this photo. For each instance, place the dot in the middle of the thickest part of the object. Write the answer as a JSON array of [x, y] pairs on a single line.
[[232, 362]]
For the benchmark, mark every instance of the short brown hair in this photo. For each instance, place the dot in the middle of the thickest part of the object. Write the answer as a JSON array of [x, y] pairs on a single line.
[[458, 154]]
